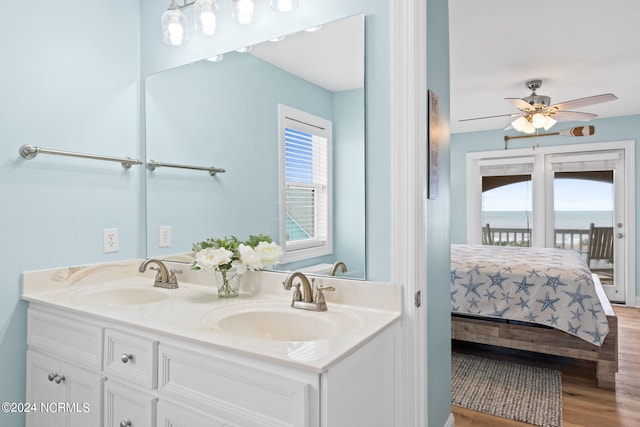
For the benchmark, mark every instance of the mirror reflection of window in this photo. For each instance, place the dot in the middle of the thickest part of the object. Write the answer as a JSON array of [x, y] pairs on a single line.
[[305, 153]]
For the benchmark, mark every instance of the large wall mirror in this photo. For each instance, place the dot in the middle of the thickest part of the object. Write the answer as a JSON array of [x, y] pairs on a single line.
[[225, 114]]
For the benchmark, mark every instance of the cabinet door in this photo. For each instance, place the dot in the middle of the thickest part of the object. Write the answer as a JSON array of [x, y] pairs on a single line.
[[42, 391], [64, 394], [125, 406], [83, 396]]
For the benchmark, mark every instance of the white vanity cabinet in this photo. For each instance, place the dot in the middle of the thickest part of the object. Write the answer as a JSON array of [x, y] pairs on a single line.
[[135, 378], [64, 382]]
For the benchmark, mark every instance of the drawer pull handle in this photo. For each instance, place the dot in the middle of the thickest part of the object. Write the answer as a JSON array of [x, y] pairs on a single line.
[[126, 357], [125, 423]]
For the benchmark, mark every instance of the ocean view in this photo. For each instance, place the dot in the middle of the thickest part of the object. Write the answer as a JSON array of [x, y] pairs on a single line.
[[563, 219]]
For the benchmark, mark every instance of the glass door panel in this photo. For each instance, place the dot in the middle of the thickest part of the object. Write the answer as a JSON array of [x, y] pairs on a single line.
[[506, 210]]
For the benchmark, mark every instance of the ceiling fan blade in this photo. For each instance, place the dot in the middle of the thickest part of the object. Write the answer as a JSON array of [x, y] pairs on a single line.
[[519, 103], [583, 102], [573, 115], [491, 117]]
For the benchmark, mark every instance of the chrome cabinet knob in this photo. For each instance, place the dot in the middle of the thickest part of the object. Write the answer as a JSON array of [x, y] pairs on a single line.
[[126, 357], [125, 423], [619, 235], [58, 379], [52, 376]]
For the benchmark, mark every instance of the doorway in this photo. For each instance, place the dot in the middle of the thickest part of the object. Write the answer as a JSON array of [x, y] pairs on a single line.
[[562, 191]]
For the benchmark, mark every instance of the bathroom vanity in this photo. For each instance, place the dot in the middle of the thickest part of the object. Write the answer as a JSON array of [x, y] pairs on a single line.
[[109, 349]]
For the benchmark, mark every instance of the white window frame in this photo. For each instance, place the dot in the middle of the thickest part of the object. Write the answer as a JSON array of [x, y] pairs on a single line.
[[302, 250]]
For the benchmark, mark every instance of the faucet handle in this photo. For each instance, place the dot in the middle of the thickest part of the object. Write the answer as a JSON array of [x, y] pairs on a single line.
[[320, 301], [173, 280], [157, 270], [297, 295]]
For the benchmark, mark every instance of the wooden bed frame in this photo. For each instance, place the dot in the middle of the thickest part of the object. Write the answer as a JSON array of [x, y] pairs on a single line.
[[521, 336]]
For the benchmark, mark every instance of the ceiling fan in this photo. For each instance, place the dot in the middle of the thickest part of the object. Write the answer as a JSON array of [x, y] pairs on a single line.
[[537, 112]]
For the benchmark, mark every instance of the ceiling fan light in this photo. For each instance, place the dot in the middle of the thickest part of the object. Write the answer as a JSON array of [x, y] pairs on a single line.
[[528, 128], [538, 120], [519, 124], [549, 123]]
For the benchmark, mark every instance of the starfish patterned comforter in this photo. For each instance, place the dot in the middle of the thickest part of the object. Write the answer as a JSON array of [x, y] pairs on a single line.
[[551, 287]]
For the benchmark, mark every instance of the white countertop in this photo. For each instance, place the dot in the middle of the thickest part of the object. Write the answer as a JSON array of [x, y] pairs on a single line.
[[357, 310]]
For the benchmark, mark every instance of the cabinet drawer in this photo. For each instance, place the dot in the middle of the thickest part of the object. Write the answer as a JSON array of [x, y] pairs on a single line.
[[131, 358], [242, 395], [65, 336], [125, 406]]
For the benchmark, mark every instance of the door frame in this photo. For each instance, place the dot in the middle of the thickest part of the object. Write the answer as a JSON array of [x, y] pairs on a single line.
[[474, 196]]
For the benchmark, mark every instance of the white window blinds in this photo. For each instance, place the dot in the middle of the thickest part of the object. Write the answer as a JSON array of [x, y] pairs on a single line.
[[305, 184]]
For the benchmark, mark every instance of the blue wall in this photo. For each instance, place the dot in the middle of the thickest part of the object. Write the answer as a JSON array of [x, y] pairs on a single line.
[[73, 85], [69, 82], [349, 191], [438, 214], [607, 129]]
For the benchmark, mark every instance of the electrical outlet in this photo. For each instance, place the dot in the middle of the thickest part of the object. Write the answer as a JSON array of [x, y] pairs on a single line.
[[110, 240], [165, 236]]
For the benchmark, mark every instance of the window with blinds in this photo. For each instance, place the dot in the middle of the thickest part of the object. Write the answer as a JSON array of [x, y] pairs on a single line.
[[305, 223]]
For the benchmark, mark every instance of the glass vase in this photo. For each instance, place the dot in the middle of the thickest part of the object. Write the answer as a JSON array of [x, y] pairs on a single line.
[[228, 282]]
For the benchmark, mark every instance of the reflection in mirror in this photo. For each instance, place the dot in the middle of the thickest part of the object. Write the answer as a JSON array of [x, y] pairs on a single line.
[[225, 114]]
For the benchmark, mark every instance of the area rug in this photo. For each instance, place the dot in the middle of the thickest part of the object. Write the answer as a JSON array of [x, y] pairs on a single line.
[[510, 390]]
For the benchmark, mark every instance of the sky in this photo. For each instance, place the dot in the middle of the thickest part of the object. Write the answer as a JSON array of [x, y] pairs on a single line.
[[570, 195]]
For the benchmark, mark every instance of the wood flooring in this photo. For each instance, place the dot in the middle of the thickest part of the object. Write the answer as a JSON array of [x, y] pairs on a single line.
[[584, 403]]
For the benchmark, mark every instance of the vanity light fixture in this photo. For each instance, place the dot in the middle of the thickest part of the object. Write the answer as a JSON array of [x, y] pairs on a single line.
[[284, 5], [243, 11], [174, 23]]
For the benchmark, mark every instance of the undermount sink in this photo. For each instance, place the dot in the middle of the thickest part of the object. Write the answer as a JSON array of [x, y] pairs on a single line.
[[121, 296], [271, 321]]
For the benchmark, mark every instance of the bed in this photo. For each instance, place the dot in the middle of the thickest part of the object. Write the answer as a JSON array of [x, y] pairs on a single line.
[[536, 299]]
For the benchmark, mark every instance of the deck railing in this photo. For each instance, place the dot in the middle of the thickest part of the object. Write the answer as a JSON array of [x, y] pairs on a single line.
[[565, 238]]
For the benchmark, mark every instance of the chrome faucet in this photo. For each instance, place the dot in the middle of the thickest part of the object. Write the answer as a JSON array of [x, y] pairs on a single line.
[[334, 269], [164, 278], [305, 299]]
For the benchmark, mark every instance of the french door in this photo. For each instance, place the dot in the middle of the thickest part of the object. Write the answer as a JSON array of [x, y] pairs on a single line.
[[585, 190], [551, 196]]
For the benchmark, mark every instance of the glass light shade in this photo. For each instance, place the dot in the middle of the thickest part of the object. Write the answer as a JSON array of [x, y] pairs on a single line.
[[205, 17], [528, 127], [284, 5], [243, 11], [538, 120], [174, 26], [549, 123], [519, 123]]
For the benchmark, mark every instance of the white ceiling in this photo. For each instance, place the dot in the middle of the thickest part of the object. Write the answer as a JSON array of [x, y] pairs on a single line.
[[332, 58], [578, 48]]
